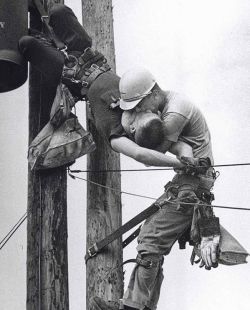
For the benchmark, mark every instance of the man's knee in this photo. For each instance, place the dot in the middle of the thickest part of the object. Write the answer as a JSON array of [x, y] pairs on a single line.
[[25, 43]]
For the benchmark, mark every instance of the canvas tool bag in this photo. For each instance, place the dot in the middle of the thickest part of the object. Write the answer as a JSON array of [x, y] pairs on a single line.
[[55, 147], [231, 252]]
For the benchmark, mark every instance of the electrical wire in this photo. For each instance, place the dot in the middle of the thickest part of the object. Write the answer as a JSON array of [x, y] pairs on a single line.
[[23, 218], [111, 188], [154, 169], [152, 198], [12, 231]]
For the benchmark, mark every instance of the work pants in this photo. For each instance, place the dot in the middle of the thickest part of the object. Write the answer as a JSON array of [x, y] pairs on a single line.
[[157, 236], [43, 56]]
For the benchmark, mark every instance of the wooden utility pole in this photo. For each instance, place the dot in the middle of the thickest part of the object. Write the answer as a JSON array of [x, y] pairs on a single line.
[[104, 206], [47, 261]]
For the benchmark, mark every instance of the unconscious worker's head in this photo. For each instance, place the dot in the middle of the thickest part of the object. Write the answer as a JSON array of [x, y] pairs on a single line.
[[139, 91], [145, 128]]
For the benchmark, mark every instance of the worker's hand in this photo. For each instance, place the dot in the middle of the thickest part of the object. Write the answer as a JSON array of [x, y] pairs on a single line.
[[209, 251], [195, 166]]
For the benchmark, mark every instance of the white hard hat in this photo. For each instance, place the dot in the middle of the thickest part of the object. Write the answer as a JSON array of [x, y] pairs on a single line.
[[134, 85]]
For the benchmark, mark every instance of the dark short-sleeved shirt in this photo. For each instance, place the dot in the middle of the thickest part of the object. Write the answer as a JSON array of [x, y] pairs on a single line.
[[105, 89], [184, 121], [102, 93]]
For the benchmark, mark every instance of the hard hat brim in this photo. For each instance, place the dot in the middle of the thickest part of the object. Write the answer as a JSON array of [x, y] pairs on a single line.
[[125, 105]]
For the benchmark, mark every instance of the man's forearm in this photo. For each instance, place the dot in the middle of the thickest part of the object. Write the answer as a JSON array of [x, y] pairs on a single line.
[[154, 158], [146, 156]]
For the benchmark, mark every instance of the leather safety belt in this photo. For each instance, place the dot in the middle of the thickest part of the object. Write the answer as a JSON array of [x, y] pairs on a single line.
[[98, 246]]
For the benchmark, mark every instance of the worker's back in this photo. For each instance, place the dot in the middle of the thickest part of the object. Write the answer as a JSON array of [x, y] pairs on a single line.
[[195, 131]]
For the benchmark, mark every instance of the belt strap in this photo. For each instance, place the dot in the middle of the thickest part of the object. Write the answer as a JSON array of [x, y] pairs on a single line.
[[131, 237], [146, 263], [98, 246], [92, 73], [86, 76]]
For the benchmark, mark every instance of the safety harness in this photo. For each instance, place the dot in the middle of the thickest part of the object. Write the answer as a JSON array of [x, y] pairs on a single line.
[[170, 196], [100, 245], [84, 70]]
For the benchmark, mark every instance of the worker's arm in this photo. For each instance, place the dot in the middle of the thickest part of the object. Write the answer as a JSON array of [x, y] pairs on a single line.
[[174, 124], [146, 156], [178, 148]]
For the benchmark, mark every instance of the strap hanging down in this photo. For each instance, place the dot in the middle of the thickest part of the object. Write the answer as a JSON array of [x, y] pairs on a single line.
[[131, 237], [44, 16], [98, 246]]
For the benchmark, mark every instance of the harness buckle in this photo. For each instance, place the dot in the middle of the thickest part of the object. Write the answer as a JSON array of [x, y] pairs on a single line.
[[43, 17], [93, 250], [146, 263], [84, 83], [94, 67]]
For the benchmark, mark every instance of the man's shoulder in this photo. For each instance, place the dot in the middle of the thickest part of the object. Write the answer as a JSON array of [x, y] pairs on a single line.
[[178, 103]]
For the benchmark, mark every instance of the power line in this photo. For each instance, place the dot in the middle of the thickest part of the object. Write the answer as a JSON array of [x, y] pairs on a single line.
[[152, 198], [12, 231], [24, 217], [154, 169], [111, 188]]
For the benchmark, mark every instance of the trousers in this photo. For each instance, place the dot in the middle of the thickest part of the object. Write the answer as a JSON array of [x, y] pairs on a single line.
[[156, 238], [49, 61], [43, 56]]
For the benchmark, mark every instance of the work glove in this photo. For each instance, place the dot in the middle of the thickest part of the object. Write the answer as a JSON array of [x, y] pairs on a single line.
[[210, 239], [194, 166], [209, 251]]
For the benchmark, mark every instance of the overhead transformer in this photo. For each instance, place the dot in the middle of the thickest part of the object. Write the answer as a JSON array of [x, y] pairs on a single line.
[[13, 25]]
